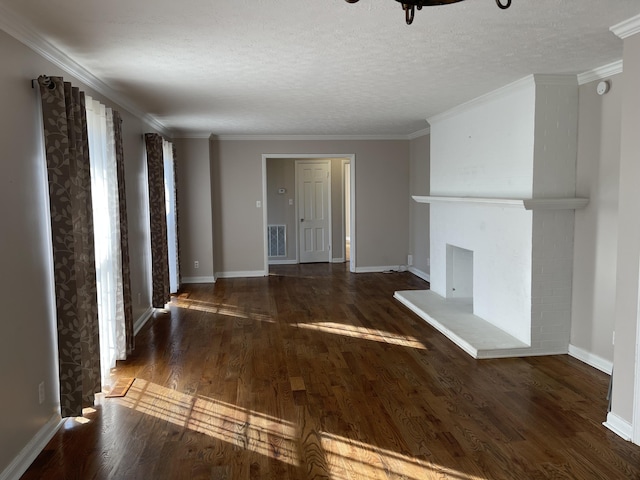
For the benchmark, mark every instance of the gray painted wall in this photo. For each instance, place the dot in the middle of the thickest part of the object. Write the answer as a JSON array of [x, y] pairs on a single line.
[[27, 335], [419, 241], [626, 315], [194, 200], [596, 226], [281, 174], [382, 199]]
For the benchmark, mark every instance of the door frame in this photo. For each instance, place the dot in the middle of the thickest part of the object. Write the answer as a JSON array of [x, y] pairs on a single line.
[[345, 201], [351, 157], [635, 418]]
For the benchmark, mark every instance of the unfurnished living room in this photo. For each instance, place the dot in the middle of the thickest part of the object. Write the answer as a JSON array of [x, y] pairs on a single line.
[[361, 239]]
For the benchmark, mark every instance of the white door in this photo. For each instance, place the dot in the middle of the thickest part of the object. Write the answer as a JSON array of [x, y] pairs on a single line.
[[314, 211]]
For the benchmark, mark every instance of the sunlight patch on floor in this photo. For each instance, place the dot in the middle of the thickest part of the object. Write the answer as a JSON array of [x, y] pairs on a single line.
[[247, 429], [349, 459], [217, 309], [341, 457], [363, 333]]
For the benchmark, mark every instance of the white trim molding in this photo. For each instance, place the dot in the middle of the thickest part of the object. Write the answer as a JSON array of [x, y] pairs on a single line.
[[590, 359], [18, 28], [242, 274], [626, 28], [338, 260], [526, 203], [205, 279], [28, 454], [383, 269], [283, 262], [309, 137], [420, 274], [600, 73], [419, 133], [618, 425], [142, 321], [518, 85]]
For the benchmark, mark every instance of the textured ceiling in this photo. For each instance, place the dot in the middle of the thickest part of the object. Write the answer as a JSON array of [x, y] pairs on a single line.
[[319, 67]]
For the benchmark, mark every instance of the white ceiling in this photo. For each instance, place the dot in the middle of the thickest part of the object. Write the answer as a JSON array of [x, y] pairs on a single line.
[[318, 67]]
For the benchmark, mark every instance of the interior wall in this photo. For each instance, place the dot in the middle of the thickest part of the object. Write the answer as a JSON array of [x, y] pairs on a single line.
[[28, 338], [485, 148], [382, 193], [628, 252], [194, 200], [419, 239], [596, 226], [281, 173]]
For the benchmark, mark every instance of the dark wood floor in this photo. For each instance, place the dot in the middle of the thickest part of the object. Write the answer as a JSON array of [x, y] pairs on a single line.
[[317, 373]]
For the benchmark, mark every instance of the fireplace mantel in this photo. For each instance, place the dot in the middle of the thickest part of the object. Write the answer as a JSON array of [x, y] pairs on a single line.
[[572, 203]]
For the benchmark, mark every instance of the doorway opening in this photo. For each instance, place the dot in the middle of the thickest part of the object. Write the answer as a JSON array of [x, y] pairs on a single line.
[[285, 200]]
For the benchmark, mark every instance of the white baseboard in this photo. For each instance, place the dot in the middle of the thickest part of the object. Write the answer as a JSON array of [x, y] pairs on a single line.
[[283, 262], [419, 273], [198, 279], [28, 454], [247, 274], [338, 260], [619, 426], [590, 359], [137, 326], [388, 268]]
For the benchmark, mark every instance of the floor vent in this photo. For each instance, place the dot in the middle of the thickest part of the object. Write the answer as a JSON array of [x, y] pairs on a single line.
[[277, 240]]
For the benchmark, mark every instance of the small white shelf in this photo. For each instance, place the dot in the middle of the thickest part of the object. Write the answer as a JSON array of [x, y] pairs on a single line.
[[572, 203]]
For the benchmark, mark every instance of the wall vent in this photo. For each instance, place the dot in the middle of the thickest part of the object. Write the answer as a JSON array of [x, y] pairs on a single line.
[[277, 235]]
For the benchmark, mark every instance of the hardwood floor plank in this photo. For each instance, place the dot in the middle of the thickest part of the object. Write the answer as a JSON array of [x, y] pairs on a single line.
[[314, 372]]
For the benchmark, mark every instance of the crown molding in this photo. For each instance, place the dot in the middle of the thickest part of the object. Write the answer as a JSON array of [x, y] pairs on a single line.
[[600, 73], [516, 86], [419, 133], [519, 85], [557, 80], [307, 137], [626, 28], [191, 135], [203, 135], [15, 26]]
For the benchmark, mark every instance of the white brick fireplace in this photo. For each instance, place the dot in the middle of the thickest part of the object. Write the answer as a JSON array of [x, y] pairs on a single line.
[[501, 220]]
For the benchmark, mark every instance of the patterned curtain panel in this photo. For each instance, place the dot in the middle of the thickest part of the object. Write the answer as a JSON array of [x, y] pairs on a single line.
[[124, 235], [177, 210], [158, 222], [67, 155]]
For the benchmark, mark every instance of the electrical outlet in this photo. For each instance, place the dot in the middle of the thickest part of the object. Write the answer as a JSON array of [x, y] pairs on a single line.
[[196, 264], [409, 260], [428, 262], [41, 393]]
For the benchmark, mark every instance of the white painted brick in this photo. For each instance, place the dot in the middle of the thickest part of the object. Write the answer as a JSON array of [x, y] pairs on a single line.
[[522, 261]]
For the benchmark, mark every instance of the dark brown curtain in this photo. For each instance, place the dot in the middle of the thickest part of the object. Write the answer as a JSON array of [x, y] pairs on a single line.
[[124, 234], [67, 156], [175, 185], [158, 222]]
